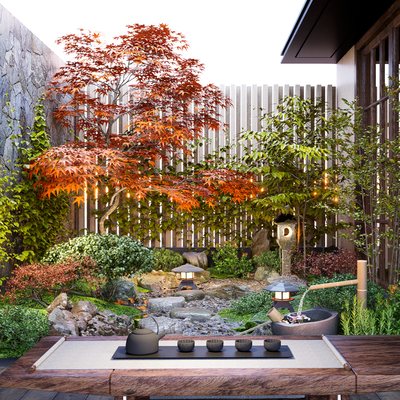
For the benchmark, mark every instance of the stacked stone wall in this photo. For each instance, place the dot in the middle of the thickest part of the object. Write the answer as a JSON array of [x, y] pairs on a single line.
[[26, 67]]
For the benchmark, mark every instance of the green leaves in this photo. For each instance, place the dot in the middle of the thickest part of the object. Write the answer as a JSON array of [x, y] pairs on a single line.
[[20, 329], [116, 256]]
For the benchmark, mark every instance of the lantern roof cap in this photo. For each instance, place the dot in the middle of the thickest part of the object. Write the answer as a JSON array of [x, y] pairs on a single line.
[[284, 218], [281, 286], [187, 268]]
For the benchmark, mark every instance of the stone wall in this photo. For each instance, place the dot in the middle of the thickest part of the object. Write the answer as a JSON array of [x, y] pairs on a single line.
[[26, 66]]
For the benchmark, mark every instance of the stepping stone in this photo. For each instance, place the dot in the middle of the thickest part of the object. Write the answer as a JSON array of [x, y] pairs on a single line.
[[191, 295], [192, 313], [165, 303]]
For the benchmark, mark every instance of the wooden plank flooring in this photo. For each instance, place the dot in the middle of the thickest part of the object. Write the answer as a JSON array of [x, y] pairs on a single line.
[[23, 394]]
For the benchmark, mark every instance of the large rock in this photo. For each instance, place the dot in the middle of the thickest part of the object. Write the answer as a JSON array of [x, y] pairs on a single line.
[[165, 303], [199, 314], [86, 320], [165, 324], [157, 280], [61, 301], [230, 292], [62, 324], [197, 259], [260, 243], [191, 295], [85, 306], [122, 289], [263, 274]]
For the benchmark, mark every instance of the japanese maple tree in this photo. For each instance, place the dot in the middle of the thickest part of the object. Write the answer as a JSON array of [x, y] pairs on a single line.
[[143, 78]]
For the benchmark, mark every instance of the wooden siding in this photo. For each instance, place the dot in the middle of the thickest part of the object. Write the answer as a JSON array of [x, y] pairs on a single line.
[[249, 104]]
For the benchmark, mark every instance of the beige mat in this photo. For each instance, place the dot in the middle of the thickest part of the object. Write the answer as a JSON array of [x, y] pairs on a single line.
[[97, 355]]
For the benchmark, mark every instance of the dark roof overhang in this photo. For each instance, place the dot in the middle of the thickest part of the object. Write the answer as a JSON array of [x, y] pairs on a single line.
[[326, 29]]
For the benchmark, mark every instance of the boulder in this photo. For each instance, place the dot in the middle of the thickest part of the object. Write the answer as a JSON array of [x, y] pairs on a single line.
[[86, 320], [61, 324], [165, 303], [165, 324], [61, 301], [197, 259], [199, 314], [85, 306], [202, 276], [260, 243], [230, 292], [157, 280], [122, 289], [262, 331], [190, 295], [263, 274]]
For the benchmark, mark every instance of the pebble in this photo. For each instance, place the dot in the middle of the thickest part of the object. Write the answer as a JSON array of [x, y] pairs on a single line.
[[216, 325]]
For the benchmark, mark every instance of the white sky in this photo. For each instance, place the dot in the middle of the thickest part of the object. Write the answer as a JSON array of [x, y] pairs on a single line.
[[239, 41]]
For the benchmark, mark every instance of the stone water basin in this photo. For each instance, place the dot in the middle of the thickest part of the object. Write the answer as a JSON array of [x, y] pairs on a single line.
[[323, 322]]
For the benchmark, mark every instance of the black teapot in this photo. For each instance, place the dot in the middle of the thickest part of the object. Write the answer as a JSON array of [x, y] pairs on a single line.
[[143, 341]]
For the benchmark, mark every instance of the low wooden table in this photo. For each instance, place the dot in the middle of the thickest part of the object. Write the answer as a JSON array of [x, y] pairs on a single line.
[[84, 365]]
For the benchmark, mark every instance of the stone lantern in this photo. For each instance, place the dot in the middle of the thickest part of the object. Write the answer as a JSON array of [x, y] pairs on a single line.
[[286, 240]]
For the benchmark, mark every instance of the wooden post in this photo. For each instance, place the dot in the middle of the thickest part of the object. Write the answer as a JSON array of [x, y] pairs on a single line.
[[362, 282]]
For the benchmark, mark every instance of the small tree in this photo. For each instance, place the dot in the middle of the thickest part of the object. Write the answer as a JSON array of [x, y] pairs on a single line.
[[143, 77], [367, 167], [291, 154]]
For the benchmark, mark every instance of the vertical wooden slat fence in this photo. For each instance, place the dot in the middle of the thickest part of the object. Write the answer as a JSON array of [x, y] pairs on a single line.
[[249, 104]]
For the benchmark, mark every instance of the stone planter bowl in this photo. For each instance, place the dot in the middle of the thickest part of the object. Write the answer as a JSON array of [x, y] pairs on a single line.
[[323, 322]]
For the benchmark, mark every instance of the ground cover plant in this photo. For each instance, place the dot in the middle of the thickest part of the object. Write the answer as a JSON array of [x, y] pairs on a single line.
[[116, 256], [20, 329]]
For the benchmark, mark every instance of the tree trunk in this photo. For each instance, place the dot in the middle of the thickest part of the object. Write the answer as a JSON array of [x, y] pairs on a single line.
[[113, 206]]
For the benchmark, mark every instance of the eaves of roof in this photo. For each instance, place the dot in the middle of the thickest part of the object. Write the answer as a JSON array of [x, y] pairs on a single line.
[[326, 29]]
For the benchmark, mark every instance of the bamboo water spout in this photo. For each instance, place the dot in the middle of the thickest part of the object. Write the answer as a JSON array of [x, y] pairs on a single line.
[[361, 283]]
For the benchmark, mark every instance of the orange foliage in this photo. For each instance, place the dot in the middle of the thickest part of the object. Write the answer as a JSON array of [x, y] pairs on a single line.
[[146, 78], [31, 281]]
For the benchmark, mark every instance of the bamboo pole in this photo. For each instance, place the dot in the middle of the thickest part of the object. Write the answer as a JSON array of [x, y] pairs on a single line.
[[362, 282], [333, 284]]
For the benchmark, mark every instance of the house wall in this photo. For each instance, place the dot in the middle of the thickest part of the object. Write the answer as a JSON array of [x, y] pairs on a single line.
[[346, 80], [346, 77]]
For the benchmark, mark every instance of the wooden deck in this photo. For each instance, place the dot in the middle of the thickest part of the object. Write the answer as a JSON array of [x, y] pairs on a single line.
[[23, 394], [354, 354]]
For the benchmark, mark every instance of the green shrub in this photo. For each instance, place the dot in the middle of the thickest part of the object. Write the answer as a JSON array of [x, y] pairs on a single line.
[[116, 256], [335, 298], [252, 303], [166, 260], [20, 329], [269, 259], [229, 260], [356, 320]]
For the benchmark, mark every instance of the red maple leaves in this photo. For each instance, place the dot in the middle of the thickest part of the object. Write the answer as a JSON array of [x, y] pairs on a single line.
[[136, 104]]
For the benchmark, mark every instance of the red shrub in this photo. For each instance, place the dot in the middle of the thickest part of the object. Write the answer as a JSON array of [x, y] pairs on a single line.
[[341, 261], [31, 281]]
